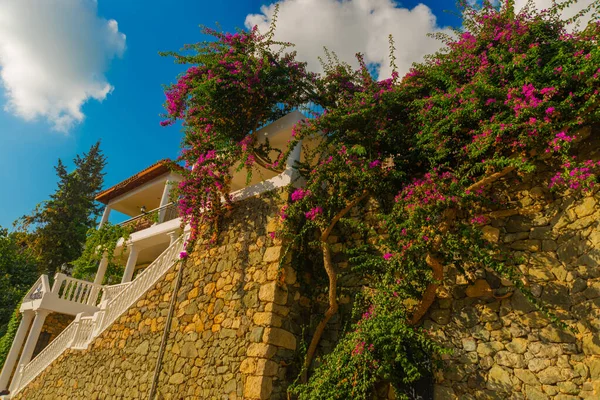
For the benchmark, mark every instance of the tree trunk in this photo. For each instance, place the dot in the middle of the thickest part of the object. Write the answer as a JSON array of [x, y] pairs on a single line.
[[332, 276]]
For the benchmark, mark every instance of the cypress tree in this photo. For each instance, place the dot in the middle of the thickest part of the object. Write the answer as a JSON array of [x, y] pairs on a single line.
[[59, 225]]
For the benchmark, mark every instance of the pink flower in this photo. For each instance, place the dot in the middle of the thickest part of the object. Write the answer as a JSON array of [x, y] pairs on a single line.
[[387, 256], [272, 235], [299, 194], [282, 213], [183, 255], [312, 214], [479, 220], [374, 164], [549, 110]]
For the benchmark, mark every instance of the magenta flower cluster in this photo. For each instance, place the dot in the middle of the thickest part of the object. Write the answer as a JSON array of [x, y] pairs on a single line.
[[313, 213]]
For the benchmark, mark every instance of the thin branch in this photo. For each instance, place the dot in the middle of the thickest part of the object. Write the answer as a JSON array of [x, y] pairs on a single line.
[[429, 294], [331, 311], [488, 180], [332, 276], [341, 214]]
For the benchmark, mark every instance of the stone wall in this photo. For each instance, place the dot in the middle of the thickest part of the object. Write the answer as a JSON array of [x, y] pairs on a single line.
[[503, 348], [54, 324], [230, 336], [240, 319]]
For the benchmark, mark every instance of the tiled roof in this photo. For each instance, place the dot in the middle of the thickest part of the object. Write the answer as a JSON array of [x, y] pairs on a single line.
[[155, 170]]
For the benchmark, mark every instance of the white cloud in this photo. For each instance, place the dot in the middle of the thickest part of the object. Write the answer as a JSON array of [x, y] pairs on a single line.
[[351, 26], [567, 13], [53, 55]]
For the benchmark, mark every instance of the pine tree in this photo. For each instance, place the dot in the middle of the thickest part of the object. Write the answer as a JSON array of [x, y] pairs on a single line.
[[59, 225]]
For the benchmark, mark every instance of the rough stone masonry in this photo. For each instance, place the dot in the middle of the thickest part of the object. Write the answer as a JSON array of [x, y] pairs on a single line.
[[238, 320]]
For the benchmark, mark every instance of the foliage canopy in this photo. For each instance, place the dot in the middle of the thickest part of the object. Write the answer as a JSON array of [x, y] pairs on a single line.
[[509, 92]]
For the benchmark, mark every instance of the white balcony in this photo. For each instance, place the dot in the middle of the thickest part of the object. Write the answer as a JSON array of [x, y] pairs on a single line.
[[67, 295]]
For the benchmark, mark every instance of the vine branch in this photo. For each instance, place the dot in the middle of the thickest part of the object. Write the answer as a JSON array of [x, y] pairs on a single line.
[[332, 276], [488, 180], [433, 262]]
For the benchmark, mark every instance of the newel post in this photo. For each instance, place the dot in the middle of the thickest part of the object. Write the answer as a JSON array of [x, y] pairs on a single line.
[[58, 280]]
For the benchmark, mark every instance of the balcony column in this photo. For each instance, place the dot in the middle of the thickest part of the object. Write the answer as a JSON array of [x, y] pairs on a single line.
[[101, 270], [164, 200], [131, 261], [172, 237], [34, 335], [105, 216], [15, 348]]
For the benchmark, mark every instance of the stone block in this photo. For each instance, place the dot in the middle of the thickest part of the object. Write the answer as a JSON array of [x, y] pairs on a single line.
[[542, 232], [469, 344], [188, 350], [267, 319], [591, 344], [177, 378], [518, 224], [509, 359], [272, 254], [490, 348], [586, 207], [142, 348], [266, 367], [517, 345], [550, 376], [535, 393], [526, 376], [262, 350], [248, 366], [443, 393], [278, 309], [258, 387], [529, 245], [481, 288], [490, 233], [594, 366], [280, 338], [499, 379], [556, 335], [273, 292], [289, 275]]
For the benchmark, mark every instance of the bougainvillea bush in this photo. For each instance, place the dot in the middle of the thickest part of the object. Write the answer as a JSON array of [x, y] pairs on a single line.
[[511, 91], [236, 85]]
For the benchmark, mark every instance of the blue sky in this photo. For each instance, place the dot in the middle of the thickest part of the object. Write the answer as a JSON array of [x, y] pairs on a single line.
[[127, 119]]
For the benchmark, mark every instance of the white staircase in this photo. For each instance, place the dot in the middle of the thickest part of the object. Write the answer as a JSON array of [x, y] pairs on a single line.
[[114, 301]]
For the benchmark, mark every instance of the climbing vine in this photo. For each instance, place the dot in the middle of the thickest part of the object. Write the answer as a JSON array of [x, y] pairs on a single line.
[[102, 242], [11, 330], [236, 85], [510, 91]]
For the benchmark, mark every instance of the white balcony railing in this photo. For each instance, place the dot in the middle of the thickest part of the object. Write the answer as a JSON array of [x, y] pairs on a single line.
[[50, 353], [38, 289], [76, 290], [110, 292], [83, 332], [84, 329], [144, 281], [147, 219]]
